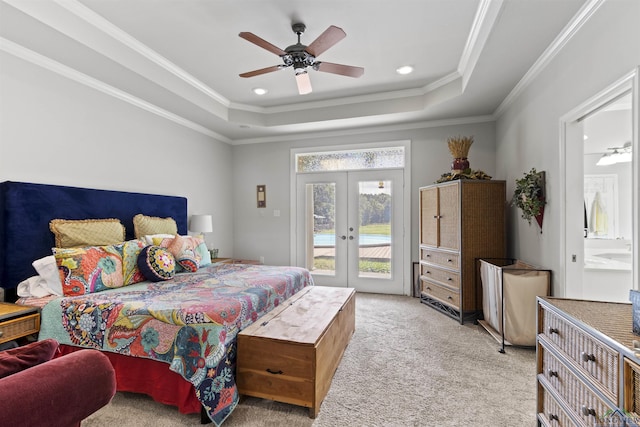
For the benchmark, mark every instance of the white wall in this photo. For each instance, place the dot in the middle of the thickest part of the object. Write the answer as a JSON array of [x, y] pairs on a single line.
[[601, 52], [57, 131], [258, 232]]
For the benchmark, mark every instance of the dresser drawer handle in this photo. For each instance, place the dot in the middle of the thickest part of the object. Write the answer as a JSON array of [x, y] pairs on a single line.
[[587, 357], [427, 272], [553, 417], [428, 256], [449, 279], [428, 288], [553, 330], [588, 411], [449, 297], [449, 260], [278, 372], [552, 373]]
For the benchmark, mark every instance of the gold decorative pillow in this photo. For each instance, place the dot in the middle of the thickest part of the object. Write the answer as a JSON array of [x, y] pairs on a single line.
[[70, 233], [144, 225]]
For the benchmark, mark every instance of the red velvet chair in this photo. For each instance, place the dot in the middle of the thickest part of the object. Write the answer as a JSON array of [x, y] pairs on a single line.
[[36, 389]]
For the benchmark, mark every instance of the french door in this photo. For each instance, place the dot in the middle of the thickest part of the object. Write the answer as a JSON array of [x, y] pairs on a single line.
[[350, 229]]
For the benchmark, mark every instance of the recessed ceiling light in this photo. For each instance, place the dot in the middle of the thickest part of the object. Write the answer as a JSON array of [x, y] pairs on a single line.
[[405, 69], [259, 91]]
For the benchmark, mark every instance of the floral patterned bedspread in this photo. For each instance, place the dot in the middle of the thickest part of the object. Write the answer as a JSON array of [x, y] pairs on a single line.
[[190, 322]]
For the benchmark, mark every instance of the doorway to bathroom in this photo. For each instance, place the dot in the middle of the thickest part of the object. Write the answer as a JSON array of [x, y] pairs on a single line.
[[600, 189]]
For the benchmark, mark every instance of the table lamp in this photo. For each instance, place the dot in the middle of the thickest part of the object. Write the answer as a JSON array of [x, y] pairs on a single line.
[[201, 224]]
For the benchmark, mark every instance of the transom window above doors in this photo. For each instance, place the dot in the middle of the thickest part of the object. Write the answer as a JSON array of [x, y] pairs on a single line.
[[343, 160]]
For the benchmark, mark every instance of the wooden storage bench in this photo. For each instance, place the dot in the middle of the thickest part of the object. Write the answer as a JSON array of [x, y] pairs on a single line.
[[291, 353]]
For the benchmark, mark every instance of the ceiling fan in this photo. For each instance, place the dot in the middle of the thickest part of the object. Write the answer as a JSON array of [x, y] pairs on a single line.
[[300, 56]]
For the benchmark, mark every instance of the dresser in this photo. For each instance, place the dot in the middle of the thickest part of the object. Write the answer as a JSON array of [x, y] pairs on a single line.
[[460, 222], [588, 373]]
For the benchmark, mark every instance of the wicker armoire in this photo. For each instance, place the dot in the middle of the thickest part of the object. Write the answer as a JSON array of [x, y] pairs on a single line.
[[460, 222]]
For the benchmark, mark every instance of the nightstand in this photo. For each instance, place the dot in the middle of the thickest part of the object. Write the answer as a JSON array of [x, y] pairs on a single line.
[[18, 321]]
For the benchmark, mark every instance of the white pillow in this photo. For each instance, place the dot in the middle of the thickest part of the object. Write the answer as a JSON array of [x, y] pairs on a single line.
[[34, 286], [48, 270]]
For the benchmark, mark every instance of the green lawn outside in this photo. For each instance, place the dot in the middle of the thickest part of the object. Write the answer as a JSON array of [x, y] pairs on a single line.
[[322, 263], [382, 229]]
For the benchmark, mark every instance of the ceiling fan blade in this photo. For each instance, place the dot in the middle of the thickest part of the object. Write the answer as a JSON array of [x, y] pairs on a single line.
[[331, 36], [263, 71], [343, 70], [262, 43]]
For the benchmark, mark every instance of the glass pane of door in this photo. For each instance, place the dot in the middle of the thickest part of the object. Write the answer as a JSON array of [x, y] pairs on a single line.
[[320, 223], [323, 208], [374, 229]]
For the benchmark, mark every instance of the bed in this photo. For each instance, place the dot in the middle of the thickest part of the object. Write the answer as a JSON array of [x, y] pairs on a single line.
[[173, 339]]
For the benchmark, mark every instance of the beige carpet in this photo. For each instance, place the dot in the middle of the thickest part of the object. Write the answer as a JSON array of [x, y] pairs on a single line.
[[406, 365]]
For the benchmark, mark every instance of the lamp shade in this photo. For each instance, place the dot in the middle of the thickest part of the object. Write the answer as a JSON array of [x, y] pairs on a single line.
[[201, 223]]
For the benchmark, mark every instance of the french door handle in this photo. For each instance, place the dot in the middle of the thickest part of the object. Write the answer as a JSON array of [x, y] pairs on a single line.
[[343, 237], [350, 237]]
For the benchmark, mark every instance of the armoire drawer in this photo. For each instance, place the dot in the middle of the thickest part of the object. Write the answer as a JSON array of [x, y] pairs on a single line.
[[445, 259], [436, 274], [595, 359], [441, 293]]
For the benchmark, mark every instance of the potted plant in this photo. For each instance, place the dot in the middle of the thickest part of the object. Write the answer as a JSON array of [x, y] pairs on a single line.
[[529, 196]]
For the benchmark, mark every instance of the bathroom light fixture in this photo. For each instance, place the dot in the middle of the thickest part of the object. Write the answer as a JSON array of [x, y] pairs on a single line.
[[619, 155], [405, 69]]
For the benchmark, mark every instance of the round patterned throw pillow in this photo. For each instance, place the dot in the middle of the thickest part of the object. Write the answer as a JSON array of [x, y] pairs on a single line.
[[156, 263]]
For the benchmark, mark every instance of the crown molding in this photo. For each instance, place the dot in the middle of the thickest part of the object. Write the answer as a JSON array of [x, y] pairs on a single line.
[[124, 38], [483, 22], [79, 22], [369, 129], [72, 74], [580, 19]]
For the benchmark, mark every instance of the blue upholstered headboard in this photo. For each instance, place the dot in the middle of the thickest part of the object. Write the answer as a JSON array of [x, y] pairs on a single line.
[[26, 209]]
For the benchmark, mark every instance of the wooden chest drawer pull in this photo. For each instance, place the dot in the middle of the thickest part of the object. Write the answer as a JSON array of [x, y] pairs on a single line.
[[588, 411], [271, 371], [449, 279], [449, 260], [553, 330], [587, 357], [553, 417], [449, 297], [552, 373], [428, 255], [428, 288]]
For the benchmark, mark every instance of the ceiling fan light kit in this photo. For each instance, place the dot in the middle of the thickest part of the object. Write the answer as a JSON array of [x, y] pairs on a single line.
[[301, 57], [303, 81]]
